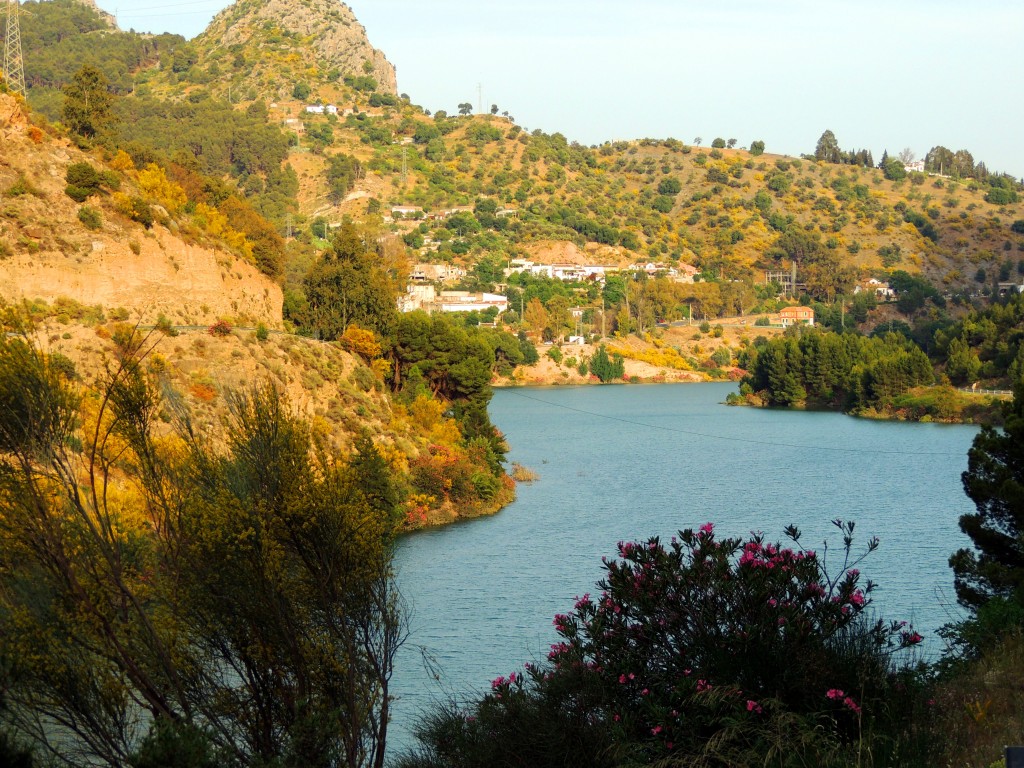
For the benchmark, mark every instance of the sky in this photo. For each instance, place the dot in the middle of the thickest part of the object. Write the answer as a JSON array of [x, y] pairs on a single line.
[[880, 74]]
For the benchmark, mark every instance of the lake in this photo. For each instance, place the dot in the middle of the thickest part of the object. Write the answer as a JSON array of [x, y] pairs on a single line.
[[628, 462]]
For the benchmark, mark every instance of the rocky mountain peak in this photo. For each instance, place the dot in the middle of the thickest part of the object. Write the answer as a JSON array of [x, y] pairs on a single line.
[[327, 29]]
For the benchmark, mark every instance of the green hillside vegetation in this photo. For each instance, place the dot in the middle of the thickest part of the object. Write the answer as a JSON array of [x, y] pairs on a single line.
[[883, 374]]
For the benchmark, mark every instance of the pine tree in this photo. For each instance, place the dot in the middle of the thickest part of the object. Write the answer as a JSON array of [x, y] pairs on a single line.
[[994, 481], [87, 102]]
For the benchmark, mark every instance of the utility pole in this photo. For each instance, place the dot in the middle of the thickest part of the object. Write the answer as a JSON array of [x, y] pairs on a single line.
[[14, 67], [405, 165], [480, 98]]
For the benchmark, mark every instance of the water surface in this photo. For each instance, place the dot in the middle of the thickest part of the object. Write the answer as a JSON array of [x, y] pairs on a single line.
[[629, 462]]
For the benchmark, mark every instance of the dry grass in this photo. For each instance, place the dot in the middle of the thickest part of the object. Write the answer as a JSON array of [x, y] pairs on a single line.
[[980, 712]]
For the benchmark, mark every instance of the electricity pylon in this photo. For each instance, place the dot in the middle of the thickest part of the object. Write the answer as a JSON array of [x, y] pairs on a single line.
[[14, 68]]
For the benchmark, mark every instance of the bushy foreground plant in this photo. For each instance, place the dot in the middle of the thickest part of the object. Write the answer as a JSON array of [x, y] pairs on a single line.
[[704, 651], [168, 599]]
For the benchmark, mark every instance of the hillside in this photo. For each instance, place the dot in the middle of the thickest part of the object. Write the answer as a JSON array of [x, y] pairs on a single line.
[[52, 250], [720, 209]]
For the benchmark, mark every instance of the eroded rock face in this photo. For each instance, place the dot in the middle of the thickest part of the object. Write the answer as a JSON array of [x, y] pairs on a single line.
[[328, 27], [13, 120], [188, 284]]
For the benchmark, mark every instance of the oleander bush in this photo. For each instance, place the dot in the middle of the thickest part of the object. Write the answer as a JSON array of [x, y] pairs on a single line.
[[699, 651]]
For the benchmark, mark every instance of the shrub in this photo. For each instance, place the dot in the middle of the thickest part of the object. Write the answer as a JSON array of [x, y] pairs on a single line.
[[164, 325], [90, 217], [363, 378], [220, 328], [22, 186], [702, 651], [78, 194], [83, 175], [262, 332]]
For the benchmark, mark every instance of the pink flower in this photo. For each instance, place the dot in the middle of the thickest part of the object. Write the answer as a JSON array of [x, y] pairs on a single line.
[[703, 685], [753, 706], [656, 730], [857, 598], [835, 693], [622, 679], [707, 528], [910, 637], [616, 717], [851, 704], [644, 692]]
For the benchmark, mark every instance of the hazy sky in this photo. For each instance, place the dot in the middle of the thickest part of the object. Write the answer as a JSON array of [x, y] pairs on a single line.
[[880, 74]]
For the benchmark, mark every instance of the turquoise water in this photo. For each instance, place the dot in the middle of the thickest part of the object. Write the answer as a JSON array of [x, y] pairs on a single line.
[[628, 462]]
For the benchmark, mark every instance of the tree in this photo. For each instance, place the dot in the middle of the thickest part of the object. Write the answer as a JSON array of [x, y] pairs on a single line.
[[535, 316], [87, 102], [907, 156], [827, 148], [669, 186], [347, 285], [236, 602], [939, 160], [465, 108], [342, 172], [893, 169], [963, 164], [494, 109], [731, 143], [697, 140], [757, 148], [606, 368], [994, 481], [718, 143]]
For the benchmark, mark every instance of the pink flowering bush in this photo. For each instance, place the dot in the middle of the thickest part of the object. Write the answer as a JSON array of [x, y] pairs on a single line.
[[700, 648]]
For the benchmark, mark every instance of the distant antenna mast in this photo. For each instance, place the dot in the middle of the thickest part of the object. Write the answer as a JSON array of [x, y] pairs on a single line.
[[14, 69], [480, 98]]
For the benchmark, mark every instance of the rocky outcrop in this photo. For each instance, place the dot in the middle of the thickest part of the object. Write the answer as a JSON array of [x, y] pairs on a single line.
[[108, 19], [13, 120], [327, 29]]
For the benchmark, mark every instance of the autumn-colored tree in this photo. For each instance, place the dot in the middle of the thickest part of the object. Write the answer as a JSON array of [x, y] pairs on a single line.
[[362, 342], [535, 316]]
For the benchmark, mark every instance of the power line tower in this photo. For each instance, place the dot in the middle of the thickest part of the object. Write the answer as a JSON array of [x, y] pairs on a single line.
[[14, 69]]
